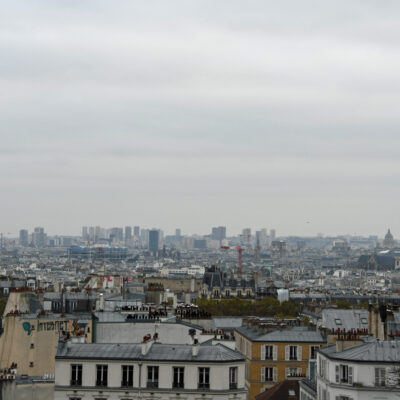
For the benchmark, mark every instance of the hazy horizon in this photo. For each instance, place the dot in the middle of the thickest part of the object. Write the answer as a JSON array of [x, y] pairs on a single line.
[[197, 114]]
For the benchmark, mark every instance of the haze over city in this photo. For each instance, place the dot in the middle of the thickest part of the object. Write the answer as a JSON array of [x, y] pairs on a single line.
[[194, 114]]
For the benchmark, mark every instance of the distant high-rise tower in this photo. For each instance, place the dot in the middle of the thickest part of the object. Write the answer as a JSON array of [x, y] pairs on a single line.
[[153, 240], [272, 234], [218, 233], [85, 233], [136, 231], [246, 236], [39, 238], [117, 234], [24, 237], [178, 232], [128, 233]]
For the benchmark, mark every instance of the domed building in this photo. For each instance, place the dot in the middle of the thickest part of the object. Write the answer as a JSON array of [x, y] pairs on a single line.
[[388, 242]]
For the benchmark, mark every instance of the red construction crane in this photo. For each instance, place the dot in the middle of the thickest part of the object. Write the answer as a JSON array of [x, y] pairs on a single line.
[[239, 249]]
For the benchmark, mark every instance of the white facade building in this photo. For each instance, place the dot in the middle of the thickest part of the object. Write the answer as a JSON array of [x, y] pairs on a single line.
[[362, 372], [148, 370]]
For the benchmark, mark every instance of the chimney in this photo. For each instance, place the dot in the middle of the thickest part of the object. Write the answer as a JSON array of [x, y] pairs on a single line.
[[347, 340], [101, 302], [195, 348], [146, 344], [370, 319]]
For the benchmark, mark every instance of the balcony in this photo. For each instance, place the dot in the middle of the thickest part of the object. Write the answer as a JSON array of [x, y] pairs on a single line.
[[76, 382], [233, 385], [152, 384], [204, 386]]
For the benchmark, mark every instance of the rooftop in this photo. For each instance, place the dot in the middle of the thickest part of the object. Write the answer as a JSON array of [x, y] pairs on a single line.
[[285, 336], [373, 351], [157, 352]]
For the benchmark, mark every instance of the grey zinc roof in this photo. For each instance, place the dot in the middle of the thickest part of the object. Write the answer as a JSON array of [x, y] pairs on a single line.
[[157, 352], [374, 351], [227, 322], [110, 316], [350, 319], [284, 336]]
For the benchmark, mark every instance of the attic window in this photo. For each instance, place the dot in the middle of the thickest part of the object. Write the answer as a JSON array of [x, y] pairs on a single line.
[[338, 321], [364, 321]]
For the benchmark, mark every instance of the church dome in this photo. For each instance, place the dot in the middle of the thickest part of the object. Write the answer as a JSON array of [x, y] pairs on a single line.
[[389, 236]]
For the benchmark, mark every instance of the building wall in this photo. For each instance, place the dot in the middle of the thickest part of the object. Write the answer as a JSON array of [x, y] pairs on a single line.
[[32, 340], [254, 363], [363, 384], [29, 391], [176, 285], [219, 380]]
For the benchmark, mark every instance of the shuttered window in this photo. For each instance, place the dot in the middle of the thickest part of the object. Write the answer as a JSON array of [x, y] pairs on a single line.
[[380, 376]]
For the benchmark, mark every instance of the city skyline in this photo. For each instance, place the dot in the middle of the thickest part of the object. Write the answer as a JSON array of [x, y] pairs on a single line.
[[229, 232]]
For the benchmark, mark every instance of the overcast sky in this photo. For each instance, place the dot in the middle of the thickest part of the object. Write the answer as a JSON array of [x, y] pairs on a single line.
[[194, 114]]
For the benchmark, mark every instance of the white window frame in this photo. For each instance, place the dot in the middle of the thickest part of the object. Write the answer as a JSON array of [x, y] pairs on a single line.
[[380, 376]]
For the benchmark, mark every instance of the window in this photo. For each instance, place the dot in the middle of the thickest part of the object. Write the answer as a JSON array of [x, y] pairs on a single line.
[[31, 363], [292, 352], [152, 377], [127, 376], [76, 375], [178, 381], [380, 376], [364, 321], [313, 352], [269, 353], [101, 375], [32, 345], [323, 368], [321, 365], [343, 398], [233, 377], [338, 321], [204, 378], [239, 293], [344, 374], [268, 374]]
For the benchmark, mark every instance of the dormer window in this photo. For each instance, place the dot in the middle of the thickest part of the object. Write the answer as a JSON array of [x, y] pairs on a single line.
[[338, 321]]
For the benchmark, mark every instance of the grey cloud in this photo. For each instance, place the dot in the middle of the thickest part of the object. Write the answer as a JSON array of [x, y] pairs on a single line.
[[225, 105]]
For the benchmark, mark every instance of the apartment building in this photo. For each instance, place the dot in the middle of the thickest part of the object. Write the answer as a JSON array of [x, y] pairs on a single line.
[[148, 370], [273, 356], [353, 370]]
